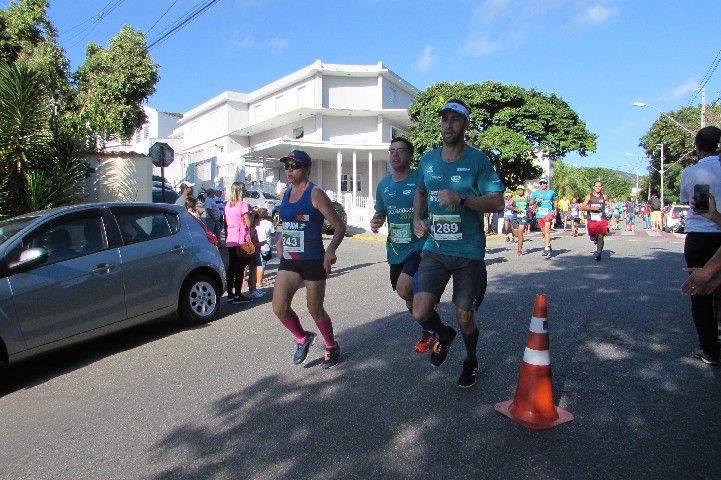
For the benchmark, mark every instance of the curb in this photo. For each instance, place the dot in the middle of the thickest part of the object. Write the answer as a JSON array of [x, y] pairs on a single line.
[[368, 237]]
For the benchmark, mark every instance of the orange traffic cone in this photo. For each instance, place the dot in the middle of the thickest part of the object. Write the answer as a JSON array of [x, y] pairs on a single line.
[[533, 406]]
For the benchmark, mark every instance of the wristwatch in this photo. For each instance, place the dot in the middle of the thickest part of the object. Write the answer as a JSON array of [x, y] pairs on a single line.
[[463, 200]]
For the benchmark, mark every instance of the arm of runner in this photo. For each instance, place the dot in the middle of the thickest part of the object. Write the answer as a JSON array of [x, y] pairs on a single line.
[[420, 207], [321, 201], [380, 215], [488, 203]]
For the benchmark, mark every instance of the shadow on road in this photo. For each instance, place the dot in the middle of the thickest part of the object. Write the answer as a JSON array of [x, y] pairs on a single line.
[[643, 409]]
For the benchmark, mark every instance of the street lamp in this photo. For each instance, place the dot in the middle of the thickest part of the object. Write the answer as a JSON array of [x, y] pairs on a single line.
[[644, 105]]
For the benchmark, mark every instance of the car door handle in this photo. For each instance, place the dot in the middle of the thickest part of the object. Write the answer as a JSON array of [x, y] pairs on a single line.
[[178, 249], [102, 268]]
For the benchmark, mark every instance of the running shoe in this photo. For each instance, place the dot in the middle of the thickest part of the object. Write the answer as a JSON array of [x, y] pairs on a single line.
[[468, 374], [256, 294], [427, 340], [331, 357], [545, 252], [519, 253], [301, 351], [705, 358], [240, 299], [440, 348], [597, 256]]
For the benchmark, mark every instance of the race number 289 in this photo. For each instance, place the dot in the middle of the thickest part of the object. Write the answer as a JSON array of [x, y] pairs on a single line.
[[447, 227]]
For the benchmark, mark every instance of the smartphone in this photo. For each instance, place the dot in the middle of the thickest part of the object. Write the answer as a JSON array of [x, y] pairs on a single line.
[[700, 197]]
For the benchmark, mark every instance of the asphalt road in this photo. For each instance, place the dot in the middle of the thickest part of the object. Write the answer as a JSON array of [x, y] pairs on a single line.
[[223, 401]]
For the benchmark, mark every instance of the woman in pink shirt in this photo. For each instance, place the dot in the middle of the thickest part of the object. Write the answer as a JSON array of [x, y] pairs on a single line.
[[237, 217]]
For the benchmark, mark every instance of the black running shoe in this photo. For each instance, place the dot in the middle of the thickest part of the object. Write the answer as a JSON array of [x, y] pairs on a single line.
[[705, 357], [301, 351], [441, 347], [331, 357], [598, 256], [468, 374]]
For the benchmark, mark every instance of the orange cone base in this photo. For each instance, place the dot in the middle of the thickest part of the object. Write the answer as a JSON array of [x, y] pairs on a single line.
[[563, 416]]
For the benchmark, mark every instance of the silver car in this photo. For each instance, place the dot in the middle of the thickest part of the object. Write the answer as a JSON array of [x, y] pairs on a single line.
[[75, 273], [260, 199]]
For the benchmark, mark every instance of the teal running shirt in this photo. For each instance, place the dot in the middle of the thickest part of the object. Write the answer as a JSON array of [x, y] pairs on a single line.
[[545, 200], [453, 229], [395, 201]]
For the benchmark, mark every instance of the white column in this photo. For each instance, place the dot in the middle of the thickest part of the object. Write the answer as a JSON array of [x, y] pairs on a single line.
[[320, 175], [355, 185], [338, 167], [371, 185]]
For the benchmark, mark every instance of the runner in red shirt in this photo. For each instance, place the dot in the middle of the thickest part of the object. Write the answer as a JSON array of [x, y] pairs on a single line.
[[595, 205]]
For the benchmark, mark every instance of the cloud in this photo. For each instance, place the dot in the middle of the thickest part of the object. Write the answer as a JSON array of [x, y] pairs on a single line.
[[679, 91], [426, 59], [507, 24], [595, 15], [247, 42]]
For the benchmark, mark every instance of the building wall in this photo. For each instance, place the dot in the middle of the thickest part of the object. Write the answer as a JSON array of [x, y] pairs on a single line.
[[359, 93], [165, 125], [119, 178], [309, 132], [298, 95], [394, 96], [350, 129]]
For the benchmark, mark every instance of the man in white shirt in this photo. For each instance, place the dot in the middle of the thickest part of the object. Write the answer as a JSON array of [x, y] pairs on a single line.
[[703, 237], [186, 188], [212, 212]]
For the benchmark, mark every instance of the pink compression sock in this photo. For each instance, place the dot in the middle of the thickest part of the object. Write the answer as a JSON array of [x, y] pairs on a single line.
[[292, 323], [326, 329]]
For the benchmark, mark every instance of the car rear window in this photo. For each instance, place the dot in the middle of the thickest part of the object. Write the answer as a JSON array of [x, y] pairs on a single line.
[[143, 226]]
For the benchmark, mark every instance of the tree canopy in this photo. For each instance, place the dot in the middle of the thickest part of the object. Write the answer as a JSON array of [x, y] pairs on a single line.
[[677, 143], [571, 181], [509, 123]]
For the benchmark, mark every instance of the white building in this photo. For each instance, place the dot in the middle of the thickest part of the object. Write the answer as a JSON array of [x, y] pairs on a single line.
[[158, 127], [344, 116]]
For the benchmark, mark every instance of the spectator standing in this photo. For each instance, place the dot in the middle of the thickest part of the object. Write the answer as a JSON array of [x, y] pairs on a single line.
[[212, 212], [186, 189], [237, 215], [703, 237], [655, 205], [266, 232]]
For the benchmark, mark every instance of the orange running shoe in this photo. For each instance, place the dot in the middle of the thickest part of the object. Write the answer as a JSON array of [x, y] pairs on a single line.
[[426, 342]]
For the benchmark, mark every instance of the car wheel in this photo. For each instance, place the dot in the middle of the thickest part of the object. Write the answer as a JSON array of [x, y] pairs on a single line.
[[199, 299]]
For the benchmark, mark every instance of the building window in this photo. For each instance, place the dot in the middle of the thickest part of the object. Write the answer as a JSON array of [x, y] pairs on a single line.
[[298, 132], [146, 132], [346, 185]]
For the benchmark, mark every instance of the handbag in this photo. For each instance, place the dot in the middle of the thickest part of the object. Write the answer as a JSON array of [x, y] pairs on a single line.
[[245, 249]]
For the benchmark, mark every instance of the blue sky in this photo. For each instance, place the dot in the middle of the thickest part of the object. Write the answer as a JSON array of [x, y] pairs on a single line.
[[600, 56]]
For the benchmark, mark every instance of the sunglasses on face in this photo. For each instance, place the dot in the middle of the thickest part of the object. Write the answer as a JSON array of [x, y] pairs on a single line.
[[292, 165]]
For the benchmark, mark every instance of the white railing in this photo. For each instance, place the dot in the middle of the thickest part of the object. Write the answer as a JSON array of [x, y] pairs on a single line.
[[360, 212]]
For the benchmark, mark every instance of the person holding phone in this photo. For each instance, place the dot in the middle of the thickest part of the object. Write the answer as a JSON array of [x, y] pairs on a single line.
[[703, 235]]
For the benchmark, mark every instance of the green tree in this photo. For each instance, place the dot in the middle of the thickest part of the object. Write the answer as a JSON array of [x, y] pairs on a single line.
[[508, 122], [677, 145], [113, 83]]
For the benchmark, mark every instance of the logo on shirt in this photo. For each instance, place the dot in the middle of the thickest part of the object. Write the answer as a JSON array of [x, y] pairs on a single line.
[[429, 169], [407, 192], [303, 218], [437, 177], [464, 169], [456, 178]]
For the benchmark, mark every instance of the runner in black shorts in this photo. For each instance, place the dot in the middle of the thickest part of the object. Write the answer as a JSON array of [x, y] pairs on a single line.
[[394, 202], [456, 184]]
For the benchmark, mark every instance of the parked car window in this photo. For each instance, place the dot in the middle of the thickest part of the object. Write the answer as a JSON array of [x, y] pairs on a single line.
[[140, 227], [174, 222], [252, 194], [70, 239], [8, 228], [270, 196]]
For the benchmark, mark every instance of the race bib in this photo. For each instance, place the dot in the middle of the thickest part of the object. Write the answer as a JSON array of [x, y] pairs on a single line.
[[399, 232], [521, 213], [596, 216], [543, 211], [574, 212], [447, 227], [293, 241]]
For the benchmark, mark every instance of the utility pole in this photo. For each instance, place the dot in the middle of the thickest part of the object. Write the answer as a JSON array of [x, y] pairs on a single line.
[[662, 171], [703, 106]]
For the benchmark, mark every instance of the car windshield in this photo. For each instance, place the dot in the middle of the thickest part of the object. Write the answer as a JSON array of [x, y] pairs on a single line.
[[10, 227], [270, 196]]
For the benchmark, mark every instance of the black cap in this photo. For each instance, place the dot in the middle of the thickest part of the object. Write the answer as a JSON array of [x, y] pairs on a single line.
[[297, 156]]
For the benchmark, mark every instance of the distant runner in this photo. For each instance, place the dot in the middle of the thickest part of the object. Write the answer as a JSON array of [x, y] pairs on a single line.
[[595, 205], [509, 216], [394, 202], [456, 184], [546, 207], [520, 205], [575, 217]]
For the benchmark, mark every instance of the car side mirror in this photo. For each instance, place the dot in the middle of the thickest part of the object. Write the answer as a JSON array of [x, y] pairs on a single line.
[[29, 258]]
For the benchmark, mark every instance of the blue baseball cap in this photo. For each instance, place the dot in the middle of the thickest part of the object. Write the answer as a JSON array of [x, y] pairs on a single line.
[[297, 156], [456, 107]]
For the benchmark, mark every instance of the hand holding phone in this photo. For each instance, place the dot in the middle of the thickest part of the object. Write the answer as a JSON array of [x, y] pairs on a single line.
[[701, 194]]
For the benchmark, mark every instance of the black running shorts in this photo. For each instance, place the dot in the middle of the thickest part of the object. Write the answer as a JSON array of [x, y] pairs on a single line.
[[409, 266], [470, 278], [311, 270]]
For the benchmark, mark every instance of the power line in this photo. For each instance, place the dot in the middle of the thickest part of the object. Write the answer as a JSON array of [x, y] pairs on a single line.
[[161, 17], [97, 18], [706, 77], [182, 22]]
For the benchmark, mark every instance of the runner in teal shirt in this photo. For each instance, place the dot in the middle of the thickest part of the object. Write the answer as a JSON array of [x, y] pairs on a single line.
[[394, 200], [546, 204], [394, 203]]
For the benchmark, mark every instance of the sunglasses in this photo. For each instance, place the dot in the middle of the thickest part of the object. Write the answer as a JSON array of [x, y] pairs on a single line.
[[293, 165]]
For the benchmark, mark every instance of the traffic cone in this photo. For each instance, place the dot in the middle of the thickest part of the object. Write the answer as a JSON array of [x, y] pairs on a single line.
[[532, 405]]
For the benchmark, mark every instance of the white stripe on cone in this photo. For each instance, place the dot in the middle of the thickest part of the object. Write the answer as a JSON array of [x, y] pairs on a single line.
[[540, 358], [538, 325]]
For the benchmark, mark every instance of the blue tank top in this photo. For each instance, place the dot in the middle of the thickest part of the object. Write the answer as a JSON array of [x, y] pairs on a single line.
[[302, 227]]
